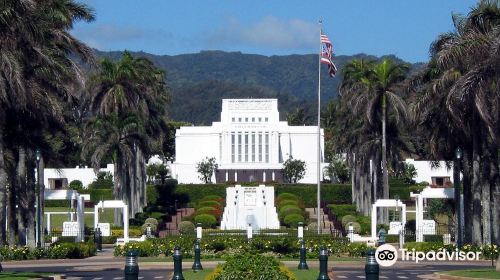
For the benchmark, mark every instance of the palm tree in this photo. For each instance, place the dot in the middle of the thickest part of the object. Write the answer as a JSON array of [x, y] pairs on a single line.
[[369, 87], [129, 87], [464, 80], [37, 73]]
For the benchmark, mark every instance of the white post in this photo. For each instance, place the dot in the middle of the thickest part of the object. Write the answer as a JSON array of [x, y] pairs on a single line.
[[419, 220], [249, 231], [125, 223], [96, 215], [350, 233], [80, 218], [403, 225], [199, 231], [374, 222], [300, 231], [48, 223]]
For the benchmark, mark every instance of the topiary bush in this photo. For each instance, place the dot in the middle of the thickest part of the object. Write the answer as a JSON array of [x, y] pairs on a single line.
[[76, 185], [293, 220], [287, 202], [249, 266], [206, 220], [287, 196], [186, 227], [152, 221], [290, 211], [213, 198], [287, 208], [356, 227], [348, 219], [209, 203]]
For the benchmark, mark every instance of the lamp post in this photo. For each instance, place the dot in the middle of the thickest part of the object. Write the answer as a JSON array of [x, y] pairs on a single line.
[[39, 199], [456, 184]]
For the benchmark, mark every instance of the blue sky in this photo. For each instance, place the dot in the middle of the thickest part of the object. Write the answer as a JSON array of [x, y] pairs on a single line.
[[169, 27]]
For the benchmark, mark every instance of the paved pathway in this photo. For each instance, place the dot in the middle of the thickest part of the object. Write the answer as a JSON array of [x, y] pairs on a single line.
[[106, 267]]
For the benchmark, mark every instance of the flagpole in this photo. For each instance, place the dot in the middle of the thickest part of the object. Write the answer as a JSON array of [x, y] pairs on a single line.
[[319, 131]]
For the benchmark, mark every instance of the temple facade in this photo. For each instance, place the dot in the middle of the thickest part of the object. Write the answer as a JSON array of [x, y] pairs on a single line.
[[249, 144]]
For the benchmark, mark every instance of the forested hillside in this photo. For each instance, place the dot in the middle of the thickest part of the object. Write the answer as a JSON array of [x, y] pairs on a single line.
[[199, 81]]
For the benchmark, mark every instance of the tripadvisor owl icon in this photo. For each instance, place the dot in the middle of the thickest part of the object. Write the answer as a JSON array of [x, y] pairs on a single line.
[[386, 255]]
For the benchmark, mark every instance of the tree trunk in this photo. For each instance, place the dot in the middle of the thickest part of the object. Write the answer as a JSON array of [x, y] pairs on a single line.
[[3, 192], [476, 188], [22, 196], [385, 173], [117, 189], [466, 182], [12, 202], [495, 193], [41, 195], [485, 196], [31, 199], [498, 264], [357, 186]]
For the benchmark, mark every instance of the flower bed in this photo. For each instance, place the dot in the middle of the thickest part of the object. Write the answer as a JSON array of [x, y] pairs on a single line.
[[56, 251], [224, 245], [251, 267]]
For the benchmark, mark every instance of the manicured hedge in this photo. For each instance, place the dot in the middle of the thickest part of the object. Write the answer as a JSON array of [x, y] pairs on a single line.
[[330, 193]]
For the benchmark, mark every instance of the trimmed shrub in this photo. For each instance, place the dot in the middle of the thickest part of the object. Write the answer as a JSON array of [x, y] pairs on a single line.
[[213, 198], [144, 228], [249, 266], [312, 226], [287, 196], [152, 221], [206, 220], [290, 211], [76, 185], [286, 208], [293, 220], [209, 203], [287, 202], [216, 212], [348, 219], [186, 227], [356, 227], [57, 203]]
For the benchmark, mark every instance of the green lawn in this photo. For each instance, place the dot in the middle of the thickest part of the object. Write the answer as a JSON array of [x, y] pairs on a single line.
[[56, 221], [20, 275], [200, 275], [486, 273], [300, 274]]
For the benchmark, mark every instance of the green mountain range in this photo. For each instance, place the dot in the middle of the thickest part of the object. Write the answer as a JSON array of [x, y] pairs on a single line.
[[199, 81]]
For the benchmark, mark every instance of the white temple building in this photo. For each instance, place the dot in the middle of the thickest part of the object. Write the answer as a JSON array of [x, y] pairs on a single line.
[[249, 144]]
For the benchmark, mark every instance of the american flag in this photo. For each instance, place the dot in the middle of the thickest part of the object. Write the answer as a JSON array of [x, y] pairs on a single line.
[[326, 55]]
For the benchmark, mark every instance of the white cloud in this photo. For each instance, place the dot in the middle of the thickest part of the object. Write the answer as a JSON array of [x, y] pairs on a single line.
[[268, 32], [108, 33]]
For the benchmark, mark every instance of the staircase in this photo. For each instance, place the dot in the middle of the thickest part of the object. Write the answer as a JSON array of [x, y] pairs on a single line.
[[172, 227], [326, 226]]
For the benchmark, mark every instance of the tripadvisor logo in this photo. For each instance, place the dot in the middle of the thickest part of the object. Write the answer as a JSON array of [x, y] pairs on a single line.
[[386, 255]]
